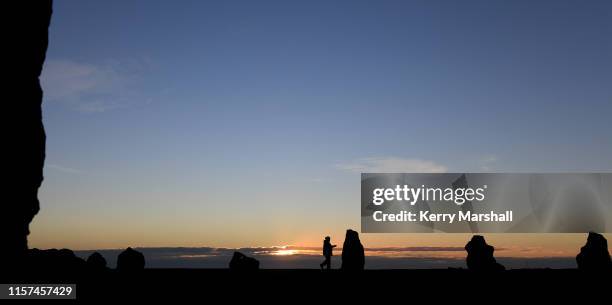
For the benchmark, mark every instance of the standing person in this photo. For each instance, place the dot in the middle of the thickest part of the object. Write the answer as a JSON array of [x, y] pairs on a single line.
[[328, 250]]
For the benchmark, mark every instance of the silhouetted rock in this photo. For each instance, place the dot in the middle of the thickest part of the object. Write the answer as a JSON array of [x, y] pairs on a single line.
[[53, 261], [130, 260], [24, 43], [480, 255], [594, 256], [242, 262], [353, 255], [96, 262]]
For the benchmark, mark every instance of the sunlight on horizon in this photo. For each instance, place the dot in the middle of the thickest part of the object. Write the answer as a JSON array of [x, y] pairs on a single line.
[[247, 125]]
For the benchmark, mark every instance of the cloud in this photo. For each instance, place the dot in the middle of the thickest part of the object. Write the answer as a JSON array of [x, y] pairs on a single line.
[[392, 165], [310, 257], [63, 169], [201, 252], [418, 249], [488, 162], [91, 88]]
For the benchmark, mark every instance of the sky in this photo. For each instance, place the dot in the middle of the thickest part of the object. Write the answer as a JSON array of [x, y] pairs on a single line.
[[247, 123]]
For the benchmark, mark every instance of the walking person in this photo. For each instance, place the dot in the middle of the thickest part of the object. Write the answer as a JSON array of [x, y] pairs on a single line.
[[328, 250]]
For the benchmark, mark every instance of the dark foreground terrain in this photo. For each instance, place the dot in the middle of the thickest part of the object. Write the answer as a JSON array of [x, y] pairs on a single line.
[[282, 286]]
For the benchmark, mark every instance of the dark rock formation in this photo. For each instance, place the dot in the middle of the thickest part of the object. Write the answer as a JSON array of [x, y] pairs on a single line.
[[242, 262], [130, 260], [353, 255], [53, 261], [594, 256], [24, 42], [96, 262], [480, 255]]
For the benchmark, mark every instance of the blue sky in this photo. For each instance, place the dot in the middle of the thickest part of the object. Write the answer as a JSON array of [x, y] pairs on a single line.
[[197, 116]]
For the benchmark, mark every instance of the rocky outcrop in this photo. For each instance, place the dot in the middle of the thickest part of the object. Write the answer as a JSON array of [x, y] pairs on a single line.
[[480, 255], [130, 260], [53, 261], [594, 256], [24, 43], [241, 262], [353, 254], [96, 262]]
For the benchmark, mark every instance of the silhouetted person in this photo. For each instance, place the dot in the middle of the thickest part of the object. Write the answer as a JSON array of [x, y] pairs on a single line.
[[241, 262], [130, 260], [594, 256], [24, 43], [328, 252], [480, 255], [96, 262], [353, 255]]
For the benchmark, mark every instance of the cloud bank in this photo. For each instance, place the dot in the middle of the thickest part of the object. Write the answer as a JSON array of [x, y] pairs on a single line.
[[91, 88], [292, 257], [392, 165]]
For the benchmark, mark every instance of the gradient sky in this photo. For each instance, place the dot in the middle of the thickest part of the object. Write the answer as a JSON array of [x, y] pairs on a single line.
[[247, 123]]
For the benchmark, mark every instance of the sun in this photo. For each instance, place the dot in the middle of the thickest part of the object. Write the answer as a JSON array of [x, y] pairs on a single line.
[[284, 252]]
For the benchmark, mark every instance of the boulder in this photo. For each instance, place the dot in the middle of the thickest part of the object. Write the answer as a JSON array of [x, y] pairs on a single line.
[[130, 260], [54, 262], [353, 254], [594, 256], [480, 255], [242, 262], [96, 262]]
